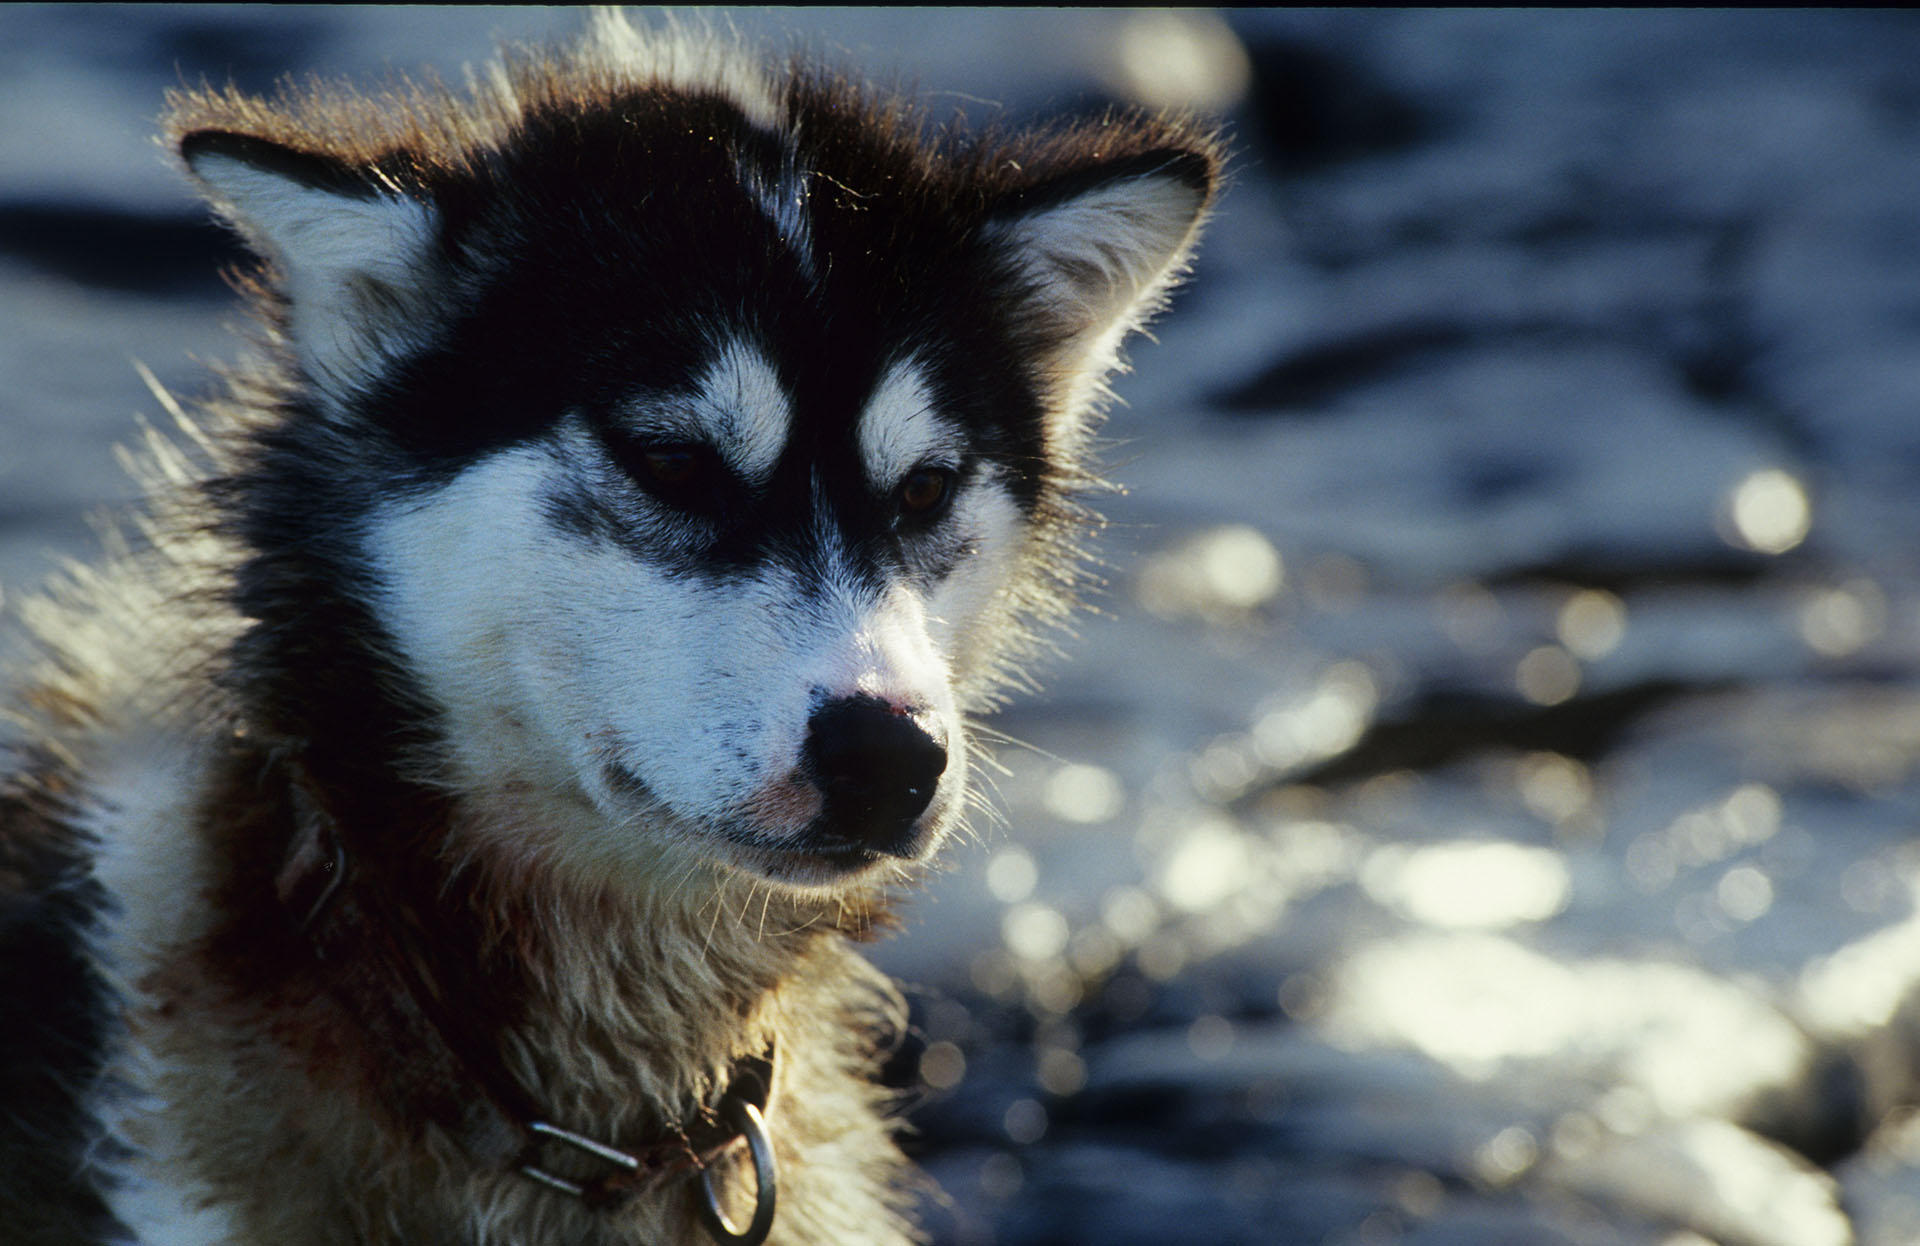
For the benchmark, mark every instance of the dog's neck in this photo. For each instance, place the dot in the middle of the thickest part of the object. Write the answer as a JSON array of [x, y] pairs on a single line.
[[481, 984]]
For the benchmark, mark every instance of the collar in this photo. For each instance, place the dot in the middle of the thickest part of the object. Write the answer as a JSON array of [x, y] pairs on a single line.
[[452, 1077]]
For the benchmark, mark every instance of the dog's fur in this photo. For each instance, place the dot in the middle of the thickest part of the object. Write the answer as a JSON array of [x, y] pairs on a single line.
[[431, 577]]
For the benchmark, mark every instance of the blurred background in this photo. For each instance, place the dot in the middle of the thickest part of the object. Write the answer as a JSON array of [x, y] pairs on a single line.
[[1481, 807]]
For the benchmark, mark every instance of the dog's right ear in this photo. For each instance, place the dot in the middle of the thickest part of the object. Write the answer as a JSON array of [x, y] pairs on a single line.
[[1096, 251], [354, 254]]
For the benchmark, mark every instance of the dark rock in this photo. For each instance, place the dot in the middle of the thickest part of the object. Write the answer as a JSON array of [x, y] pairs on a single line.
[[1442, 727], [121, 251], [1312, 106]]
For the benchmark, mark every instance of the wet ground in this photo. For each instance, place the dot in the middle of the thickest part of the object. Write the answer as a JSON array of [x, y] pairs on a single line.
[[1481, 809]]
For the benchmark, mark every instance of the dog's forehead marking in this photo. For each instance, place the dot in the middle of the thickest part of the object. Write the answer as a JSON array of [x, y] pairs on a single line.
[[742, 410], [901, 426]]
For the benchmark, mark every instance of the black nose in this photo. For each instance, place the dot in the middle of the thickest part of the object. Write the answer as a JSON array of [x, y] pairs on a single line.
[[877, 770]]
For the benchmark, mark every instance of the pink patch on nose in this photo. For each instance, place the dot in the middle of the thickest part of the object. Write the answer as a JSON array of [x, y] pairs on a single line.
[[785, 805]]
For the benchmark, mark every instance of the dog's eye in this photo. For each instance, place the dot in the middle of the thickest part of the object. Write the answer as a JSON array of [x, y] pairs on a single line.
[[671, 467], [924, 492], [685, 475]]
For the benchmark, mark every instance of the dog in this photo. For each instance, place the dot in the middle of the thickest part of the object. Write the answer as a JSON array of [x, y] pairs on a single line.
[[453, 813]]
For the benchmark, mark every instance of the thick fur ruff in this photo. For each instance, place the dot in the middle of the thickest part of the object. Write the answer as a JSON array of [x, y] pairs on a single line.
[[647, 463]]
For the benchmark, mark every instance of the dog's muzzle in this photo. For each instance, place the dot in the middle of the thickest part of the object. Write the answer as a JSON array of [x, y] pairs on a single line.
[[877, 768]]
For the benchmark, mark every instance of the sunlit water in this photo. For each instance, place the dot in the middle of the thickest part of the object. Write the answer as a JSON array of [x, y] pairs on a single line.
[[1481, 807]]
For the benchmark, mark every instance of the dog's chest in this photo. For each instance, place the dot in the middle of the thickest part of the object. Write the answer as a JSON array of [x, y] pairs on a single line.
[[144, 788]]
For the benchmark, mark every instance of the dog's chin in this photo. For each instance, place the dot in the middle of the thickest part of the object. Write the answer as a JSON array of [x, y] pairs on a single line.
[[823, 863]]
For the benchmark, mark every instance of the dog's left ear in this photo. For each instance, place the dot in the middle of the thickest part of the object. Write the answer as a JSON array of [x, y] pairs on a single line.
[[1098, 249], [354, 255]]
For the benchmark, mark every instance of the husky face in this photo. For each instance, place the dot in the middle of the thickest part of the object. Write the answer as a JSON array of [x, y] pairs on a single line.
[[719, 626], [699, 446]]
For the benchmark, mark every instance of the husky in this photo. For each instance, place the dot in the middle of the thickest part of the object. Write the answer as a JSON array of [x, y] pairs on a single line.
[[452, 813]]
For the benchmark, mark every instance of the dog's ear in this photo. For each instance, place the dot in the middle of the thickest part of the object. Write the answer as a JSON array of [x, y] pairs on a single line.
[[353, 254], [1097, 250]]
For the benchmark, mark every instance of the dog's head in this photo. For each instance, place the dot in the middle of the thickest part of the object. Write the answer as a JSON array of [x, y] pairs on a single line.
[[695, 444]]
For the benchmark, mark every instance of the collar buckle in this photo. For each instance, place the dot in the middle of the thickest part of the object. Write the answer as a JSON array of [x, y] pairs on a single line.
[[737, 1111], [742, 1115], [628, 1165]]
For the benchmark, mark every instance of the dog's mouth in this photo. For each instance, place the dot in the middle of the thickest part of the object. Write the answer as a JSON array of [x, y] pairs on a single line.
[[821, 858], [837, 859], [827, 849]]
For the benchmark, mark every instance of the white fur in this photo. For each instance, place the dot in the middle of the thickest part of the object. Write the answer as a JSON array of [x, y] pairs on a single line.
[[555, 657], [957, 609], [689, 56], [1095, 256], [346, 260], [1101, 262], [156, 1195], [879, 647], [743, 410], [140, 809], [900, 429], [738, 407]]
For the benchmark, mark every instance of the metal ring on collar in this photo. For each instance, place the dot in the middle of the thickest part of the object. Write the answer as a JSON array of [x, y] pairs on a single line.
[[746, 1118]]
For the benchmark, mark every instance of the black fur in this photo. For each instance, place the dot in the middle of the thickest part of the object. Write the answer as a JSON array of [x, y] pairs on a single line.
[[55, 1020]]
